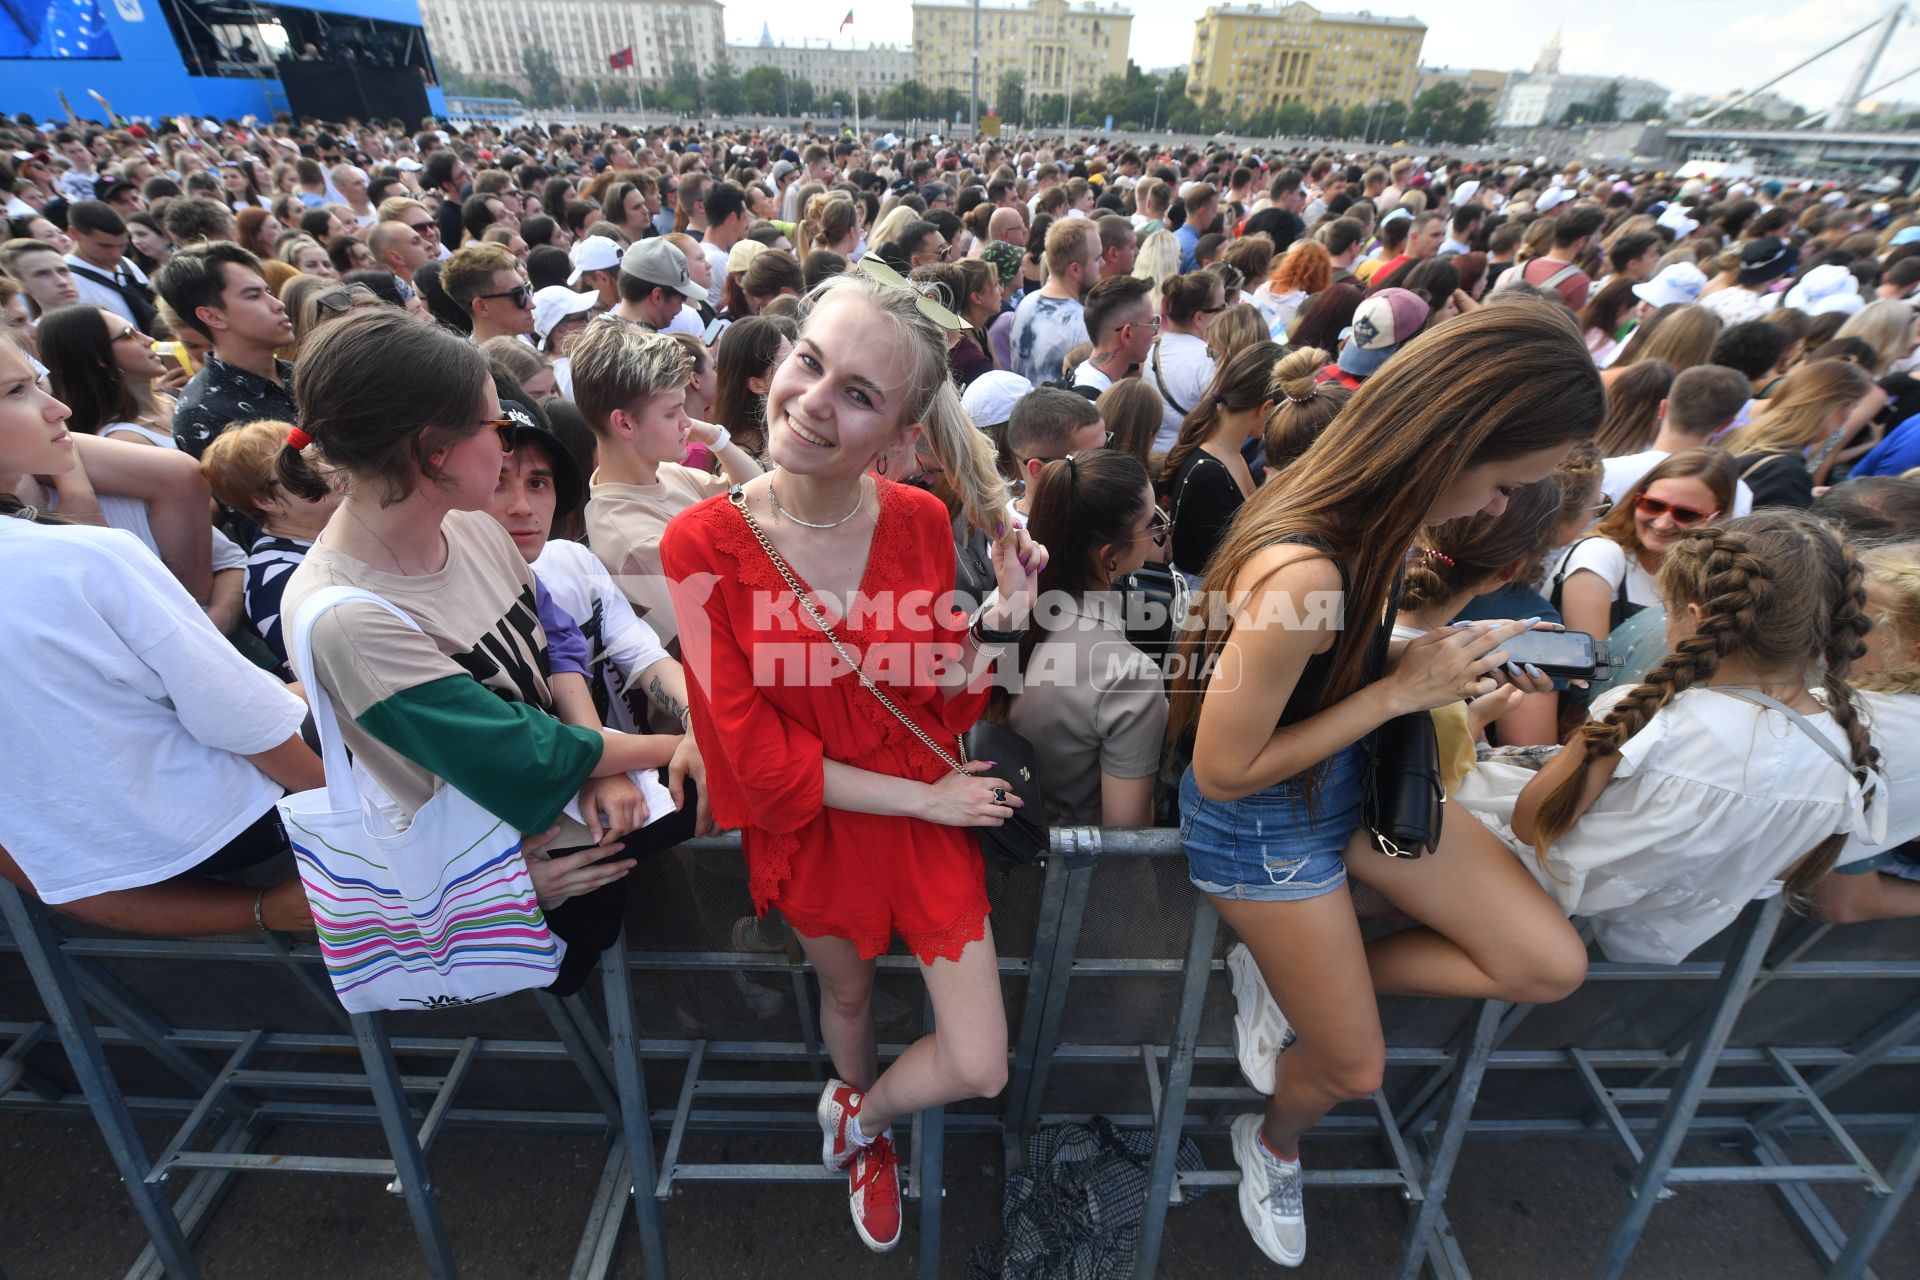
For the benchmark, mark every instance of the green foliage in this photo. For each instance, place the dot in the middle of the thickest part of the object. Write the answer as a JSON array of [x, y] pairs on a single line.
[[683, 91], [544, 87], [723, 93], [1010, 97]]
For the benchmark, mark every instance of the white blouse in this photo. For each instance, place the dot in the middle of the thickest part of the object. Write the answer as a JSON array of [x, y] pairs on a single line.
[[1185, 369], [1713, 800]]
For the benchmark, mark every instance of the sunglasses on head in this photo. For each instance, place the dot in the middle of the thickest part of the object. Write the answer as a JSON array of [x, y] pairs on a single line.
[[1654, 508], [341, 299]]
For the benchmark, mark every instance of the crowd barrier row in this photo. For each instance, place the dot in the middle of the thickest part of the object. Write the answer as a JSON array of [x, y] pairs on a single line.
[[1114, 1009]]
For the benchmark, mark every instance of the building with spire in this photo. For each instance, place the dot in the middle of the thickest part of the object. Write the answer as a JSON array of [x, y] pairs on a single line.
[[1543, 97]]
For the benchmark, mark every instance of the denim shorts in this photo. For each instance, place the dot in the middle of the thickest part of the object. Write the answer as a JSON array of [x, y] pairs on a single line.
[[1272, 846]]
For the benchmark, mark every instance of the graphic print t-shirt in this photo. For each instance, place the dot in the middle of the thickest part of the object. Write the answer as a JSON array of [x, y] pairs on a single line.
[[465, 698]]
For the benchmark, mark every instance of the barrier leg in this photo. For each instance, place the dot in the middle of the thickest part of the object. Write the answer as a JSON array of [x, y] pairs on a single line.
[[40, 946], [1866, 1235], [1027, 1052], [630, 1079], [1170, 1122], [1475, 1048], [1729, 993], [409, 1163], [1073, 909]]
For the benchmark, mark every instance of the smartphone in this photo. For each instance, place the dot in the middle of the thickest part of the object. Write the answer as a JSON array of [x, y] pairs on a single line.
[[1571, 655], [714, 330]]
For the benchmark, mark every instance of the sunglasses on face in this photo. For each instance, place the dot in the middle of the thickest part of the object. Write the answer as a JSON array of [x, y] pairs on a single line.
[[522, 296], [1157, 532], [1654, 508]]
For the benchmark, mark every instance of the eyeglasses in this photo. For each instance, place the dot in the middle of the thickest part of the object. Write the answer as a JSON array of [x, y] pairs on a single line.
[[342, 299], [522, 296], [425, 226], [1654, 508], [1151, 322], [1598, 509], [135, 334]]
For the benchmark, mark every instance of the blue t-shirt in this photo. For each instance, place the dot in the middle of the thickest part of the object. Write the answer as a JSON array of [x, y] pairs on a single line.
[[1895, 455], [1189, 244]]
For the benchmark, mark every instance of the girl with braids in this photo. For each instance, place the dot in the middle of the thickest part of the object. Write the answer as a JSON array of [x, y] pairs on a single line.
[[1206, 476], [1284, 679], [1685, 797], [854, 823], [1881, 881]]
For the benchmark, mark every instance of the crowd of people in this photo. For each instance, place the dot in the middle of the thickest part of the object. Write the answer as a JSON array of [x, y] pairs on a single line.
[[737, 478]]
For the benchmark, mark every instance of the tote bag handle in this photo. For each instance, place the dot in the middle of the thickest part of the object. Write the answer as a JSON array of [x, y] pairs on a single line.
[[343, 794]]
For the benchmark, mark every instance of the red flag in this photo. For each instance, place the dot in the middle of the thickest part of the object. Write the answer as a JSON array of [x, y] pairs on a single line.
[[847, 21], [624, 58]]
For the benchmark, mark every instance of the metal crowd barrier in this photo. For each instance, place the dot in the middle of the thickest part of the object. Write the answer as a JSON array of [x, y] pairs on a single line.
[[1107, 968]]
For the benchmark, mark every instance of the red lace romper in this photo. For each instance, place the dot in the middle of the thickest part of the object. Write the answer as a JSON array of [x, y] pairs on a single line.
[[764, 728]]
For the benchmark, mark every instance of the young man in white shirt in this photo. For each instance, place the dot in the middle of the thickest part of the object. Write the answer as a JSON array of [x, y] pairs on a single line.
[[101, 273], [1122, 324], [1702, 401]]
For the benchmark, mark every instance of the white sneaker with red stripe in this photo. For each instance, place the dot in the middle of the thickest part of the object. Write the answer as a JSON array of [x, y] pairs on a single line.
[[839, 1104], [873, 1193]]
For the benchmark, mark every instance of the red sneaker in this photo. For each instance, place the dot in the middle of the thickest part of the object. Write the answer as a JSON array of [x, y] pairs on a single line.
[[839, 1103], [874, 1194]]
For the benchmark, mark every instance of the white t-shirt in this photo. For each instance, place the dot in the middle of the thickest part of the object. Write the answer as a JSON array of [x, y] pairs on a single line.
[[1186, 367], [583, 589], [1609, 559], [1894, 721], [1622, 473], [1713, 800], [127, 744], [1085, 375], [95, 294], [131, 513]]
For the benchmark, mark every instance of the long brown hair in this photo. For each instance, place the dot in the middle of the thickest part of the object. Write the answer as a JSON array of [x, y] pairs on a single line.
[[1800, 410], [1493, 384], [1633, 408], [1712, 467], [1245, 381], [1779, 589]]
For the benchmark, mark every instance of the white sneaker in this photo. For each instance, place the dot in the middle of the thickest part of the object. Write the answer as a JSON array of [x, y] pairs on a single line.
[[1261, 1032], [1270, 1196]]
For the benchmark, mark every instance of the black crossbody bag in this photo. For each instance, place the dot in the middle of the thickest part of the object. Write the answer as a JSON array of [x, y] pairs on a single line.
[[1403, 800]]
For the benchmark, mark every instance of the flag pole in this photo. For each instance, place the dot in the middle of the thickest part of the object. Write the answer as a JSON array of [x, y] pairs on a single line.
[[856, 91]]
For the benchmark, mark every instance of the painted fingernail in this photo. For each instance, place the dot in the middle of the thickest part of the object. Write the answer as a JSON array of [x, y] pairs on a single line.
[[1536, 672], [1513, 670], [1527, 622]]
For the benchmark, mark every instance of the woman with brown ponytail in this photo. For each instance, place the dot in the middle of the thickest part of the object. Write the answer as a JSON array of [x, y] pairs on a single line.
[[1687, 794], [1205, 476]]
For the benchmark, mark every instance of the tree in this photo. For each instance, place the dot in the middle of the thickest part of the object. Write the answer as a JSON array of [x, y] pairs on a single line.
[[1475, 122], [1292, 118], [801, 91], [765, 89], [1607, 106], [1654, 111], [617, 95], [1437, 113], [543, 78], [683, 89], [1010, 97], [587, 94], [723, 93], [1578, 113], [1351, 123], [908, 100]]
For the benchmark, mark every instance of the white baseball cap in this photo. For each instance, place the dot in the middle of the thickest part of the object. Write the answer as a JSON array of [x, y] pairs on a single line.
[[555, 303], [595, 253], [1826, 289], [989, 398]]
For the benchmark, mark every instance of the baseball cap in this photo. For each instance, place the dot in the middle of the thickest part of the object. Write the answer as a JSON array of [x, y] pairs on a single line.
[[658, 262], [782, 168], [569, 485], [934, 191], [1674, 218], [989, 398], [1681, 282], [1381, 325], [1766, 259], [595, 253], [1905, 235], [741, 256], [555, 303]]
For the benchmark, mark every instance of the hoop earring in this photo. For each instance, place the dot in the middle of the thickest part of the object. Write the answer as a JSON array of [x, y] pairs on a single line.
[[1111, 566], [880, 467]]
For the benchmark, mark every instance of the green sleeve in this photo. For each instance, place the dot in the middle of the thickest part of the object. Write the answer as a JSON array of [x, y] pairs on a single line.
[[513, 760]]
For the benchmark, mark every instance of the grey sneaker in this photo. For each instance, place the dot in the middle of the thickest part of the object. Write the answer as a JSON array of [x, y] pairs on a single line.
[[1270, 1196]]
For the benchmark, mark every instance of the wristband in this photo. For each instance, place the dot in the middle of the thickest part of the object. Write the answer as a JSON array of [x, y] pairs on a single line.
[[985, 635], [724, 439], [258, 917]]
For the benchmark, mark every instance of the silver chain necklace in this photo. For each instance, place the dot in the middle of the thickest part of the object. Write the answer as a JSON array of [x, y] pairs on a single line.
[[859, 501]]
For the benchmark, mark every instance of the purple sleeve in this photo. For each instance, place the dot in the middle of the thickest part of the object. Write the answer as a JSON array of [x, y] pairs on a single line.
[[566, 647]]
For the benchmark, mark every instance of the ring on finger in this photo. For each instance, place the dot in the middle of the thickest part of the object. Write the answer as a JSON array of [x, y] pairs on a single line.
[[999, 795]]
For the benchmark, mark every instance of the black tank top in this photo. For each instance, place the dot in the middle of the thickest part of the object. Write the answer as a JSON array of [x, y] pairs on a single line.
[[1319, 668]]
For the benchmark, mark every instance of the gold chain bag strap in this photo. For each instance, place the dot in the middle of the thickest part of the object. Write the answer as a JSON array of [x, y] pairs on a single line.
[[739, 500]]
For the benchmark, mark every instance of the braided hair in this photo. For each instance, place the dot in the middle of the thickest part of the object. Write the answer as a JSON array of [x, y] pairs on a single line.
[[1776, 588]]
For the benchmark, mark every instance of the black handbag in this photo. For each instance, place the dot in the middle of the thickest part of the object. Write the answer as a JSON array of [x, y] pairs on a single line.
[[1402, 802], [1402, 799], [1022, 839], [1018, 841]]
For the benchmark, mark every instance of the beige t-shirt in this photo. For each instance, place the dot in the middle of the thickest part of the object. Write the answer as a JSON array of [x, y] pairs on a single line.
[[1093, 703], [463, 699], [624, 524]]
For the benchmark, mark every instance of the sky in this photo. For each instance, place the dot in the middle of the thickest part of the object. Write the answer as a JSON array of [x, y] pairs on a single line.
[[1689, 46]]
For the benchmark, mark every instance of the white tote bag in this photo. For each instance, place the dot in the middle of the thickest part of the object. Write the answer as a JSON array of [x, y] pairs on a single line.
[[438, 915]]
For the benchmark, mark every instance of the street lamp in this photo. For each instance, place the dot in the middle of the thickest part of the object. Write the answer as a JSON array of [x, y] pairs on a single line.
[[1158, 89]]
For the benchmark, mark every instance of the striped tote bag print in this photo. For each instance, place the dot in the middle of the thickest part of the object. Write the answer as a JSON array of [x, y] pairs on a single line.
[[440, 914]]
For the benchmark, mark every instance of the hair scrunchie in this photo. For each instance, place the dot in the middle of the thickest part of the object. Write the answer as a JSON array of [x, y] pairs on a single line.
[[298, 439]]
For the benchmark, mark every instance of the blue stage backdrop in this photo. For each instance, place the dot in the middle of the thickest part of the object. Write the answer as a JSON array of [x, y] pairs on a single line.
[[153, 58]]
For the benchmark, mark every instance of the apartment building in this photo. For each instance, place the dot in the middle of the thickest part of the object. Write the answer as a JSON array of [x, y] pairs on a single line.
[[1257, 56], [1059, 47], [485, 38]]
